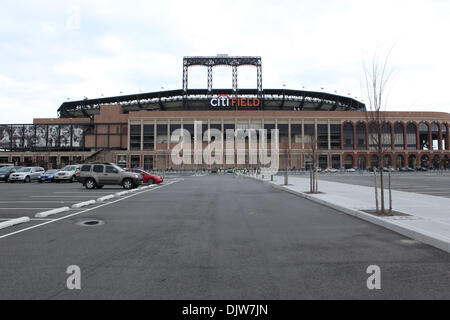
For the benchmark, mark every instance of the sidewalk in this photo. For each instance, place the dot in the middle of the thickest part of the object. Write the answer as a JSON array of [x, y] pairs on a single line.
[[429, 219]]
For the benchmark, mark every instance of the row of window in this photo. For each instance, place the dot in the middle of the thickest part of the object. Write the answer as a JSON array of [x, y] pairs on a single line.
[[354, 137]]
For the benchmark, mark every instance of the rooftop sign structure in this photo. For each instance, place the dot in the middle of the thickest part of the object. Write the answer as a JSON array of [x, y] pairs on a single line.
[[223, 60]]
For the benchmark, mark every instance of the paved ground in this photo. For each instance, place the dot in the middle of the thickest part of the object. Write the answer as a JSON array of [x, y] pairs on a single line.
[[417, 182], [27, 199], [217, 237]]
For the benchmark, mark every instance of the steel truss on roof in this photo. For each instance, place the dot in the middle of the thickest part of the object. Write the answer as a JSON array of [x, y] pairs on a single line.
[[222, 60], [175, 100]]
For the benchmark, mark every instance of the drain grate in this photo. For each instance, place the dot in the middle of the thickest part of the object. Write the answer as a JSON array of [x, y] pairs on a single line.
[[90, 222]]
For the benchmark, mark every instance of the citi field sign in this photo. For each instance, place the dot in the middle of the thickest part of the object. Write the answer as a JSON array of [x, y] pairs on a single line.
[[224, 100]]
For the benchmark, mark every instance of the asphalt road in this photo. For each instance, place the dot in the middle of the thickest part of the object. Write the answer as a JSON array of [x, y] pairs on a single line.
[[218, 237]]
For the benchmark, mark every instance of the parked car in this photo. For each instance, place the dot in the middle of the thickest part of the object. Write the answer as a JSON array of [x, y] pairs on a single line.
[[410, 169], [350, 170], [27, 174], [404, 169], [6, 171], [68, 173], [147, 177], [48, 176], [332, 170], [97, 175]]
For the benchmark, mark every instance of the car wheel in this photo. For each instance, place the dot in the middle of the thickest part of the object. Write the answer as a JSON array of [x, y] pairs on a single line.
[[27, 180], [150, 181], [127, 184], [90, 184]]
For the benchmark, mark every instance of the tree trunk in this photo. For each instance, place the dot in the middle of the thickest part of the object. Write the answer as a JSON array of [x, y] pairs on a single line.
[[317, 180], [382, 191], [376, 190], [390, 192]]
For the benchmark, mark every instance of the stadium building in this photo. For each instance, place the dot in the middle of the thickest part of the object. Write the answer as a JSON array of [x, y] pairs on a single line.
[[134, 130]]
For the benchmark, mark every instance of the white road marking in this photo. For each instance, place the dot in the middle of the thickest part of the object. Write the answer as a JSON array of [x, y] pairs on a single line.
[[31, 219], [91, 196], [88, 192], [87, 210], [39, 201], [26, 208]]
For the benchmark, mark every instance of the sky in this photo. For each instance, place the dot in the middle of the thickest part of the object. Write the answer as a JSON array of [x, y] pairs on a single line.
[[57, 51]]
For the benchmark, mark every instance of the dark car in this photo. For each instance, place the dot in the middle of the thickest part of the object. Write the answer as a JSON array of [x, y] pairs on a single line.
[[6, 171], [48, 176]]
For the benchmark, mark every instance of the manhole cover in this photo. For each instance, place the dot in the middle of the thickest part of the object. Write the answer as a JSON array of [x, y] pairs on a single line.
[[90, 222]]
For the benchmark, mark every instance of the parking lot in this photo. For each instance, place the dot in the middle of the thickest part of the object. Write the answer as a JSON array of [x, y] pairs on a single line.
[[205, 237], [428, 183], [28, 199]]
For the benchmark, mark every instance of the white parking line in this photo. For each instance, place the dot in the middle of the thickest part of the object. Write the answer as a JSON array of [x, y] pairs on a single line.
[[84, 192], [91, 196], [87, 210], [39, 201], [31, 219], [25, 208]]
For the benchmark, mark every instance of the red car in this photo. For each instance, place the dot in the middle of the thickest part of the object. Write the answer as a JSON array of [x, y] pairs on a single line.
[[147, 177]]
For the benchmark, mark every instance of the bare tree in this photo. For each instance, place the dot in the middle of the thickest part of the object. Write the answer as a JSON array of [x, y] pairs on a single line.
[[313, 155], [376, 80]]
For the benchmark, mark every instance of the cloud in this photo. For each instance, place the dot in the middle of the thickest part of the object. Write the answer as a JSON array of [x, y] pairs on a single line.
[[138, 45]]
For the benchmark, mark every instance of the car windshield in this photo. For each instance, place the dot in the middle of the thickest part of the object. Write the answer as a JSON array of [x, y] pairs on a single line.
[[5, 169], [51, 171], [24, 170], [69, 168], [118, 168]]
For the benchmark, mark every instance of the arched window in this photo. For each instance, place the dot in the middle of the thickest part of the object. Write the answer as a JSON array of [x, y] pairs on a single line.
[[374, 161], [398, 140], [412, 161], [435, 136], [425, 161], [348, 136], [386, 136], [444, 137], [411, 136], [400, 163], [423, 137], [361, 142], [387, 161], [348, 161], [436, 161], [362, 162], [373, 135]]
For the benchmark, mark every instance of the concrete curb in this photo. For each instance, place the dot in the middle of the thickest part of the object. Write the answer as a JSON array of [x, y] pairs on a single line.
[[122, 193], [412, 233], [51, 212], [102, 199], [83, 204], [13, 222]]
